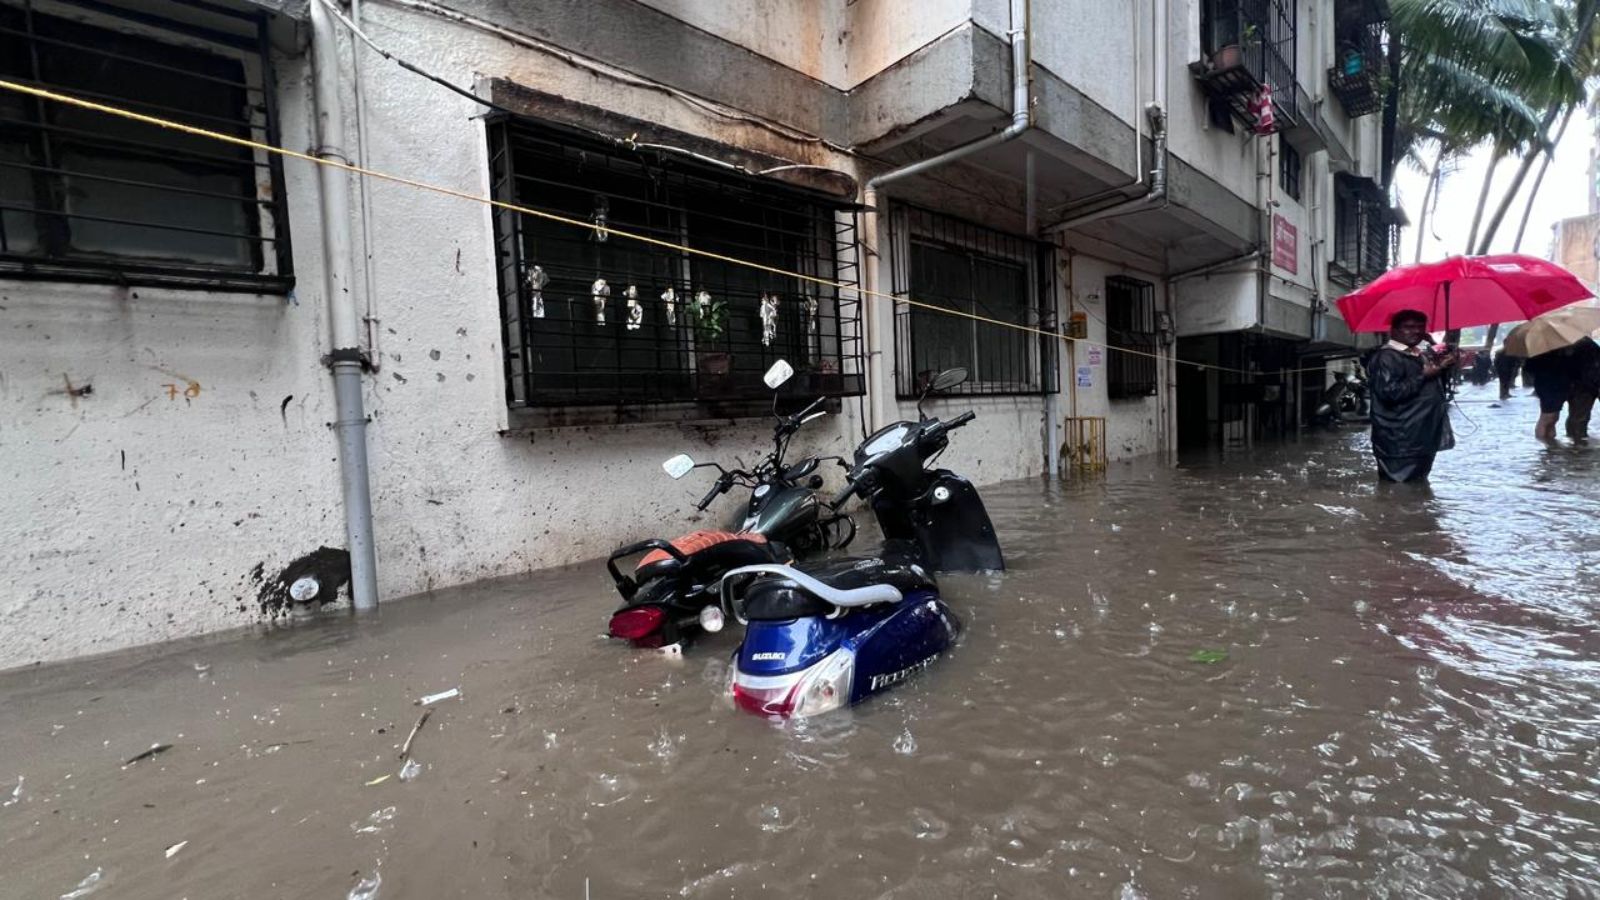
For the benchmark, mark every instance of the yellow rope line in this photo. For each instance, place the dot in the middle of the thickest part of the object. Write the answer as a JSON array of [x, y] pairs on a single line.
[[577, 223]]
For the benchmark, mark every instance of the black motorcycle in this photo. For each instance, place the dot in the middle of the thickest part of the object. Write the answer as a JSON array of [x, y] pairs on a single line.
[[1344, 402], [672, 592]]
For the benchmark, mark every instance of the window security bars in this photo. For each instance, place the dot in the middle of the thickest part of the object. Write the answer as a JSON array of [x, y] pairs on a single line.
[[974, 271], [1130, 338], [593, 319], [85, 196]]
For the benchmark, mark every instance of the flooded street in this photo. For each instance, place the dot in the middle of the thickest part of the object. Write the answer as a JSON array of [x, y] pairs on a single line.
[[1404, 698]]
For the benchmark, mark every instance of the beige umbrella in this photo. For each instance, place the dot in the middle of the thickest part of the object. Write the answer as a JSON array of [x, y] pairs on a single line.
[[1553, 331]]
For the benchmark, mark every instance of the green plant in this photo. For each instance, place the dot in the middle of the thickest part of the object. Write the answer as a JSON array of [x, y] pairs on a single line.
[[710, 318]]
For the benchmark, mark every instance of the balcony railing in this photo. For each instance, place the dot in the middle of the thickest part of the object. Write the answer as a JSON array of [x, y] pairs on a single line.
[[1250, 50], [1356, 75]]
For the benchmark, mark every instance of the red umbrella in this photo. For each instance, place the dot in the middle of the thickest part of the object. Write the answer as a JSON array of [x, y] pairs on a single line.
[[1464, 291]]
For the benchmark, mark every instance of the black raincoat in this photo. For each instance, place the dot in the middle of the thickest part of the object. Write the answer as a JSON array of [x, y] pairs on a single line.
[[1410, 414]]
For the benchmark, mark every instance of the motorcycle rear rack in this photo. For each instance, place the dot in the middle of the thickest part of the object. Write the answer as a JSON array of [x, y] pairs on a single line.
[[626, 586]]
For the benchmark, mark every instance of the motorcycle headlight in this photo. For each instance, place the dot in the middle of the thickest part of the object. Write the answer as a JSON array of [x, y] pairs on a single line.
[[826, 687]]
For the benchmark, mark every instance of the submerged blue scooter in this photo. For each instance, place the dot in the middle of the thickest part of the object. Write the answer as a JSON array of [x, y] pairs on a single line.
[[824, 635]]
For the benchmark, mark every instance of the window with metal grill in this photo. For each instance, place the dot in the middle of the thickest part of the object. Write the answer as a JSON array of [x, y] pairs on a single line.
[[594, 319], [989, 280], [1131, 338], [94, 197], [1288, 168]]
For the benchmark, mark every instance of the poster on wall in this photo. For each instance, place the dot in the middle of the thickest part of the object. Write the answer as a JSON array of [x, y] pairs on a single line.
[[1285, 244], [1096, 354], [1085, 376]]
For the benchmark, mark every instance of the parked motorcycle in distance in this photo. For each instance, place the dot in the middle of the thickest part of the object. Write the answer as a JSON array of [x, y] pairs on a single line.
[[823, 635], [1343, 402], [672, 593]]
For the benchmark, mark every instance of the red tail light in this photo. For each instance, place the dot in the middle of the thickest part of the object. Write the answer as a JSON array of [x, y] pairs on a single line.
[[637, 622], [776, 702]]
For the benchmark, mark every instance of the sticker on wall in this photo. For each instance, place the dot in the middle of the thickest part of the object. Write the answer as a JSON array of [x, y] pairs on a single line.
[[1085, 376], [769, 319], [600, 291], [1096, 354], [669, 299], [536, 280], [635, 311], [811, 315]]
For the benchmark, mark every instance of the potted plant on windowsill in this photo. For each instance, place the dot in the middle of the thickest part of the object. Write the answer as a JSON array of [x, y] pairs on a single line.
[[710, 325], [1232, 55]]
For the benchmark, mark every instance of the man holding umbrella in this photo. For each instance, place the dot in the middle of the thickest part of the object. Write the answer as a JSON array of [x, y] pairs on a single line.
[[1410, 409], [1458, 292], [1565, 363]]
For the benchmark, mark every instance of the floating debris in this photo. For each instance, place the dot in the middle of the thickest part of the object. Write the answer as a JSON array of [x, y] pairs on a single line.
[[154, 751], [366, 888], [1209, 657], [91, 883], [410, 770], [405, 749], [379, 780], [442, 695], [173, 850]]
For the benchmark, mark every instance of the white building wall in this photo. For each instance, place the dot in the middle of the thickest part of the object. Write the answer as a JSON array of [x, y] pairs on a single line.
[[241, 477]]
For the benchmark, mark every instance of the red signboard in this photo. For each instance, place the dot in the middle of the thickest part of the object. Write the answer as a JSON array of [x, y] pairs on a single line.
[[1285, 245]]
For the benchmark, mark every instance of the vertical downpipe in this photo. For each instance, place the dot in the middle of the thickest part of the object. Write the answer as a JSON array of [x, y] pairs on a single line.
[[350, 423]]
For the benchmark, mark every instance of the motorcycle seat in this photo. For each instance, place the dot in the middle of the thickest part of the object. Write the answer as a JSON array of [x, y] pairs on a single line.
[[776, 598], [711, 550]]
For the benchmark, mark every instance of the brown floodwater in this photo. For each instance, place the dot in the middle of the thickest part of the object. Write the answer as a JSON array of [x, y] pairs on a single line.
[[1409, 704]]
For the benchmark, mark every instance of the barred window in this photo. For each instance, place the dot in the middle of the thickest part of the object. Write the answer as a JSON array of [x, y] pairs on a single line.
[[1131, 327], [593, 319], [990, 279], [90, 196], [1288, 168]]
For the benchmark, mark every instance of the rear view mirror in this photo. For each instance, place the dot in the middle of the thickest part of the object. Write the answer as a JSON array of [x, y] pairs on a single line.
[[948, 379], [780, 372], [678, 466]]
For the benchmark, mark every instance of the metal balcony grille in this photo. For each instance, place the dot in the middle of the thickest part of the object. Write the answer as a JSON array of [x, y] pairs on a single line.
[[592, 319], [86, 196], [1130, 327], [1250, 44], [957, 265], [1364, 233]]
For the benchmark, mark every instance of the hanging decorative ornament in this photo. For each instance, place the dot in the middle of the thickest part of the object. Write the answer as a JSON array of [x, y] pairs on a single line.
[[601, 291], [702, 303], [811, 315], [602, 212], [535, 279], [769, 318], [635, 311], [669, 299]]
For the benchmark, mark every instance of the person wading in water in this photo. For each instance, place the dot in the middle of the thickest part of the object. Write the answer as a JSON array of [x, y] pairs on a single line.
[[1410, 410]]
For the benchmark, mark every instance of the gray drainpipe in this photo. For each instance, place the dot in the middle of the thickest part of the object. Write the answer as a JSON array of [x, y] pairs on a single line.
[[1155, 195], [350, 420], [1021, 121]]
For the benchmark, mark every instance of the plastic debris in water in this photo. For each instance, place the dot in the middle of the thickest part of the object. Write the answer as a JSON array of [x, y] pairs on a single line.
[[1209, 657], [410, 770], [367, 888], [91, 883], [155, 750], [173, 850], [431, 699], [374, 822], [16, 794], [379, 780]]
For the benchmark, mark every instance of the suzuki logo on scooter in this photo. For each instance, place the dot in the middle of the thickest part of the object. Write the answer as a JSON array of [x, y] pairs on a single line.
[[766, 657]]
